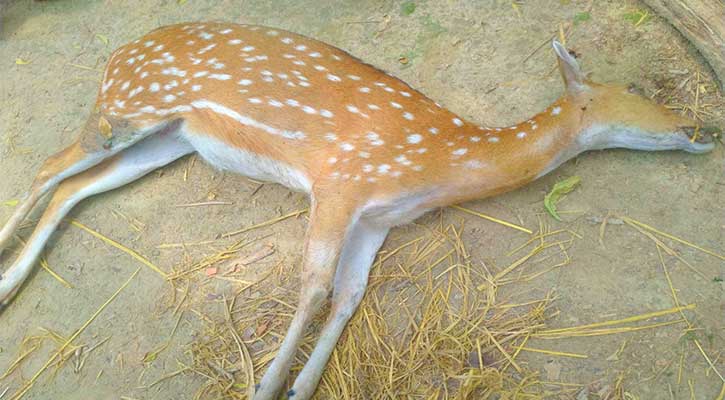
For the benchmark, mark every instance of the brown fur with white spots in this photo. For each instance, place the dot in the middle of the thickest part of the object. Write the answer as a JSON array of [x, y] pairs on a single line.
[[371, 152]]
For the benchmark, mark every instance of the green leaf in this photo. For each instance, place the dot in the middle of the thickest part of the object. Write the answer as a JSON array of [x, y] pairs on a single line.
[[581, 17], [560, 189], [717, 279], [637, 17], [407, 8], [10, 203]]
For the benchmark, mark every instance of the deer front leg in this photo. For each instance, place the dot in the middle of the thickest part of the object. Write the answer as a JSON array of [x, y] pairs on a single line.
[[351, 280], [326, 233]]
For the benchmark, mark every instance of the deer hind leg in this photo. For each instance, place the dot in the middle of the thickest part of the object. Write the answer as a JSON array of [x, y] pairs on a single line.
[[125, 167], [326, 233], [95, 144], [351, 280]]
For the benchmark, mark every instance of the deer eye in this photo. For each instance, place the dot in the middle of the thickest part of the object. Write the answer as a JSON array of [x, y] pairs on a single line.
[[634, 89]]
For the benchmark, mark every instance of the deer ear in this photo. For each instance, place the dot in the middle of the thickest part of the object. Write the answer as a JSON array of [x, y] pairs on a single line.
[[569, 68]]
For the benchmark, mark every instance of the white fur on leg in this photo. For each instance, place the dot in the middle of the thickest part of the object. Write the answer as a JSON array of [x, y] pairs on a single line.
[[312, 296], [36, 192], [351, 281], [326, 236]]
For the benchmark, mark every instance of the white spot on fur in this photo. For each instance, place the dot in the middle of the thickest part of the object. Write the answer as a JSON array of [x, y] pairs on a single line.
[[414, 138], [135, 91], [221, 77], [474, 164], [207, 48]]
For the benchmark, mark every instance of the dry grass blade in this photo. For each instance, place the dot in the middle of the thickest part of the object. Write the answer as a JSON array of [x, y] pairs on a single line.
[[205, 203], [152, 355], [592, 329], [672, 237], [492, 219], [121, 247], [553, 353], [265, 223], [46, 267], [243, 352]]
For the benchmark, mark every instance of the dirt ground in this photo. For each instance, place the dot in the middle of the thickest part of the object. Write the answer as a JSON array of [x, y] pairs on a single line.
[[481, 59]]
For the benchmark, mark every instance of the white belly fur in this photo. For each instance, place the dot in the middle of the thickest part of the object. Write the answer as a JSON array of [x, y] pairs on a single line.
[[225, 157]]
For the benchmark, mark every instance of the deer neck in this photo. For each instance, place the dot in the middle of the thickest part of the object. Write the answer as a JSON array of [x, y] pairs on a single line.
[[497, 160]]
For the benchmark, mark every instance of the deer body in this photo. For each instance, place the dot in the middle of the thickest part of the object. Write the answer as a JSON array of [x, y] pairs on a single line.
[[370, 151]]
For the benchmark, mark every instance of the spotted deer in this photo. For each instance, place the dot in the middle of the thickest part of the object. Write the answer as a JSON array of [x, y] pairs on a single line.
[[370, 151]]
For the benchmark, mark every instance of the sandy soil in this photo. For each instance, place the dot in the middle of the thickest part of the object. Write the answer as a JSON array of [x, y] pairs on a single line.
[[478, 59]]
